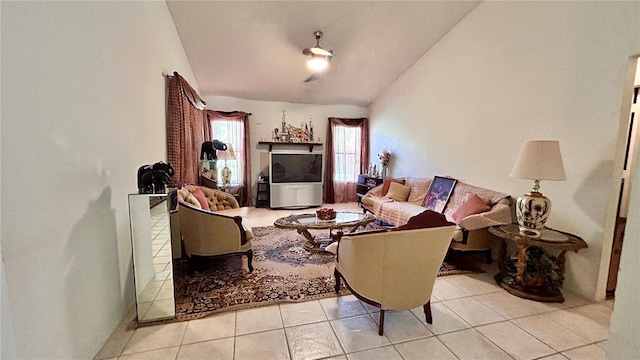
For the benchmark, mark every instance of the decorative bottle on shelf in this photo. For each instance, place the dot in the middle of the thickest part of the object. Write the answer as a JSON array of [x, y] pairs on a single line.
[[283, 132], [310, 129], [383, 171]]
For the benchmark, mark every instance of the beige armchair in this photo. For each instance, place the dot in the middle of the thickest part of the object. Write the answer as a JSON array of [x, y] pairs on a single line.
[[394, 269], [219, 231]]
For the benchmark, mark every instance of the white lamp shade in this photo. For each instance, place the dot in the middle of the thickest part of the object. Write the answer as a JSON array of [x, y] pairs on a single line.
[[228, 154], [539, 160]]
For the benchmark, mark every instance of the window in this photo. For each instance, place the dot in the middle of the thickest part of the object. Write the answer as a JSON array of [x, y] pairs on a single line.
[[347, 150], [346, 140], [230, 132]]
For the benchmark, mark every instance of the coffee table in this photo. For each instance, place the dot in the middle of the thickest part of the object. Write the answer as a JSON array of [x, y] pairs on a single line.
[[305, 222]]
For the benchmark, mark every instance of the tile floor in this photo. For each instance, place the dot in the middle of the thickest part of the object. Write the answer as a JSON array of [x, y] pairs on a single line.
[[473, 318]]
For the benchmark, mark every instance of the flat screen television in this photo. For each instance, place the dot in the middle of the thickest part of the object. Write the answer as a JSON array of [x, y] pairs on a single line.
[[295, 167]]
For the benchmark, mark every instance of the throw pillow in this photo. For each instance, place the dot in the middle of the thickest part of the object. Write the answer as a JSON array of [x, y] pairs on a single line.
[[190, 199], [398, 192], [387, 182], [201, 198], [473, 205]]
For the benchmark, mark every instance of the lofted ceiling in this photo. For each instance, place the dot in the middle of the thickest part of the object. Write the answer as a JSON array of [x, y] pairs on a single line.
[[253, 50]]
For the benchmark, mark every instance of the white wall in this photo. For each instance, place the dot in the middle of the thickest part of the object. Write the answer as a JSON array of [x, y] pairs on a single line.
[[510, 72], [83, 107], [266, 115]]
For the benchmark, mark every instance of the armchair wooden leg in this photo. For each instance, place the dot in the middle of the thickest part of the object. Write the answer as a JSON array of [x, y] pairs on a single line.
[[381, 325], [336, 275], [427, 312], [250, 259], [196, 263]]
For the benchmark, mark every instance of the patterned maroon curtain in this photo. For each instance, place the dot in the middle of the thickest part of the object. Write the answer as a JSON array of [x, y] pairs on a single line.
[[329, 192], [185, 119], [241, 143]]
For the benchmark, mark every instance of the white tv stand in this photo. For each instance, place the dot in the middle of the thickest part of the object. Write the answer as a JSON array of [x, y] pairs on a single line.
[[295, 195]]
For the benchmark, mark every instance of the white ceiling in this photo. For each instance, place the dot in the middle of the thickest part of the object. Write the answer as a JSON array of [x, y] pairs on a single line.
[[253, 50]]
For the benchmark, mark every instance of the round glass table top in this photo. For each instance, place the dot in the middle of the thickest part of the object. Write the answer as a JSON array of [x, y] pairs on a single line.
[[310, 221]]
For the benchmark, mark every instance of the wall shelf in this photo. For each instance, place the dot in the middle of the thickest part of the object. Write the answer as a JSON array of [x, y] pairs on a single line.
[[271, 143]]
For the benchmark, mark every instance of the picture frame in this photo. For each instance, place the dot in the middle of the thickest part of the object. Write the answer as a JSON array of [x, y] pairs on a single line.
[[439, 193]]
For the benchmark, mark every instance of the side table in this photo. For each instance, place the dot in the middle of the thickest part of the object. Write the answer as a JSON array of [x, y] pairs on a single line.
[[366, 183], [526, 285], [262, 193]]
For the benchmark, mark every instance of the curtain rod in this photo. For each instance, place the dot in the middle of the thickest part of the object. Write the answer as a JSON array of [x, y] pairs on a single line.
[[175, 73], [220, 111]]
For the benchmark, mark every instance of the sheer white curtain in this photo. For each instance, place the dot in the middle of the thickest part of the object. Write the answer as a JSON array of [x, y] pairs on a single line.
[[231, 132], [346, 144]]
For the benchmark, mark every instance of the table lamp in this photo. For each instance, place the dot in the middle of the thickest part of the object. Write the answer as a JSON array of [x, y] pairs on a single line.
[[538, 160], [229, 154]]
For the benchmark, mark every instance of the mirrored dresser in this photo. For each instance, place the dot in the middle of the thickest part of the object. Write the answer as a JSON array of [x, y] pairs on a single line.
[[149, 216]]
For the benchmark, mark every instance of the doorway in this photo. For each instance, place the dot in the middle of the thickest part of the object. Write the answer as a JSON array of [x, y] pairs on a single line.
[[631, 143]]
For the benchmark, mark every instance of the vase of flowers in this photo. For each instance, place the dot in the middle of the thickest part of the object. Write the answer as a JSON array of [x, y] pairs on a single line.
[[384, 158]]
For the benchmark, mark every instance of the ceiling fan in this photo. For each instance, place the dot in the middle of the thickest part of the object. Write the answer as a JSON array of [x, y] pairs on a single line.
[[319, 58]]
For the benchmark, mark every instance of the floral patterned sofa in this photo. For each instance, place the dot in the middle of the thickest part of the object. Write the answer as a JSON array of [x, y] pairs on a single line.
[[464, 209]]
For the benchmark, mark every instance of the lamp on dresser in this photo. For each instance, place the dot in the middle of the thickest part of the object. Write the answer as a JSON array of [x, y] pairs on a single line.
[[229, 154], [538, 160]]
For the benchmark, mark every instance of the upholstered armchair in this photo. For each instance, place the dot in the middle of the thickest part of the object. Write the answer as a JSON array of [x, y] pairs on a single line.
[[216, 231], [394, 269]]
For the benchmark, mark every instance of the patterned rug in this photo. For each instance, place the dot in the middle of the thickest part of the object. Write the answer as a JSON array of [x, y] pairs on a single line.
[[284, 272]]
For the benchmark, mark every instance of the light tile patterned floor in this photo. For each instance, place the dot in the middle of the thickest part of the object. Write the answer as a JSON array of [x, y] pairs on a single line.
[[473, 318]]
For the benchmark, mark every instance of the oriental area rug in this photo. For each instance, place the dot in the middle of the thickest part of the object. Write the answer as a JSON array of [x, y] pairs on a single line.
[[283, 272]]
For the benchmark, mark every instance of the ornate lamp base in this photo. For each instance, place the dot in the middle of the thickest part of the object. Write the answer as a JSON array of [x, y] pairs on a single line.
[[226, 176], [532, 212]]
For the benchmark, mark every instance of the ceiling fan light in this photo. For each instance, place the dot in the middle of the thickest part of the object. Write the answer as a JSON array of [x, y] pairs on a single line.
[[317, 63]]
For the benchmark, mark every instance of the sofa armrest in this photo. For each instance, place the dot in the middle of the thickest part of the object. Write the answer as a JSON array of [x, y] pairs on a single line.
[[243, 212], [500, 214], [368, 203], [376, 191]]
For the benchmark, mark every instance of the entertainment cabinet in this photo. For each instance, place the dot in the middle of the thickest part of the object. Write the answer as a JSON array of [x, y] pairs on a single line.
[[295, 175], [295, 195]]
